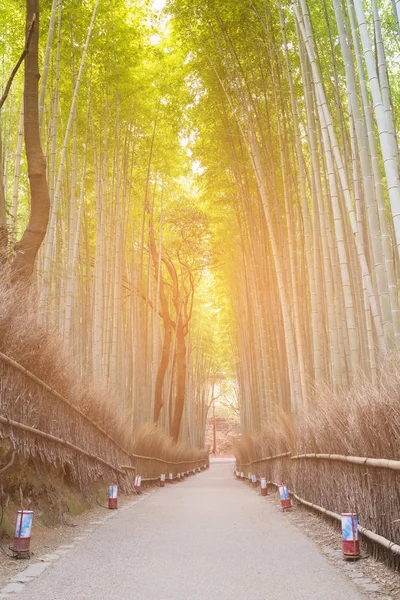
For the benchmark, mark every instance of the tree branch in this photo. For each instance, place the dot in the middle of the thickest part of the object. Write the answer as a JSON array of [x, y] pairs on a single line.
[[19, 62]]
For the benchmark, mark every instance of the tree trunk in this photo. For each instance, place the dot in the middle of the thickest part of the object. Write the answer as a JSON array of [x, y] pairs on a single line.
[[168, 327], [214, 446], [27, 248], [181, 379], [161, 371]]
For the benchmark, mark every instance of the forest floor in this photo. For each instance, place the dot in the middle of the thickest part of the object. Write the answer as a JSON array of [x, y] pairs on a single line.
[[209, 537]]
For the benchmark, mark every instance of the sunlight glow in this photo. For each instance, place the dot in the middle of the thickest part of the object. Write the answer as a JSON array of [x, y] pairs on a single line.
[[197, 168], [159, 5], [155, 39]]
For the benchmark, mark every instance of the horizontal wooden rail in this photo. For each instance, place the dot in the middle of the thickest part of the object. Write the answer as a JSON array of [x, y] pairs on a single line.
[[79, 412], [52, 391], [267, 458], [170, 462], [57, 440], [371, 535], [382, 463]]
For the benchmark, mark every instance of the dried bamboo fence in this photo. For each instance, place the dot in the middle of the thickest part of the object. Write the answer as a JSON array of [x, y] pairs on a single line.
[[41, 423], [334, 483]]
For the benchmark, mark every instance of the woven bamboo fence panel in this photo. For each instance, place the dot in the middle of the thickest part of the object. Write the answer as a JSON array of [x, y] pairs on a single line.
[[370, 486], [28, 403], [43, 424]]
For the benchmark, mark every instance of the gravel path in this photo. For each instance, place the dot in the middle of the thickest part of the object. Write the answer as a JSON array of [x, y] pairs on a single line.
[[209, 538]]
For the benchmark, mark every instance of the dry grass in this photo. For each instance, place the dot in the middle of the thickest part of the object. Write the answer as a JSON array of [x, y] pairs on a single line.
[[277, 438], [42, 352], [360, 421], [152, 441]]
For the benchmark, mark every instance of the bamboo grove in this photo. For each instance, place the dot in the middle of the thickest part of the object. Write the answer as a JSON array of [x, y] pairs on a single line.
[[304, 104], [224, 192], [127, 237]]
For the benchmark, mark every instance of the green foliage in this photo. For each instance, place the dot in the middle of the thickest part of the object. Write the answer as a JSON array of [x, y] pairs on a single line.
[[162, 114]]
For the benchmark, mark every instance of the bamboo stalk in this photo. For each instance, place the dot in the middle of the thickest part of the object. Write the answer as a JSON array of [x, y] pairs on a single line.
[[267, 458], [382, 463]]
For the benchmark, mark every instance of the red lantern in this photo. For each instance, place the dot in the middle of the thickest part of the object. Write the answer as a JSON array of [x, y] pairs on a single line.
[[350, 541], [22, 536], [113, 496], [284, 496], [264, 486], [138, 483]]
